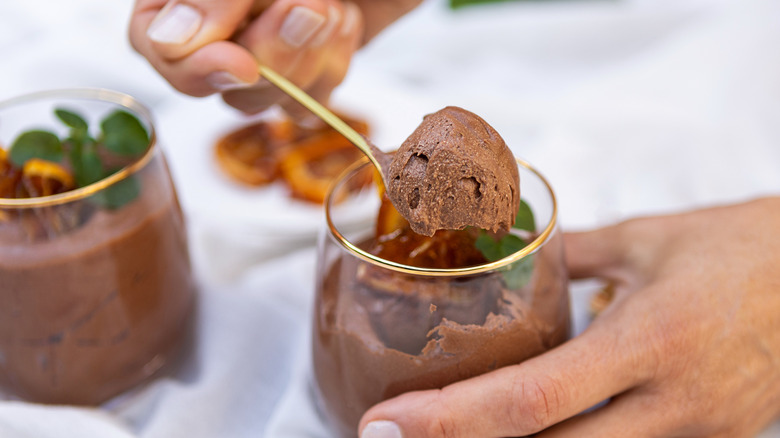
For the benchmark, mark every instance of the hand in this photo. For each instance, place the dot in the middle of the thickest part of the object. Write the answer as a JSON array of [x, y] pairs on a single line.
[[206, 46], [690, 346]]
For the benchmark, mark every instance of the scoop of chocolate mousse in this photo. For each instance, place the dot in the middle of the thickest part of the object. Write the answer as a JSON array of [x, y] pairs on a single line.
[[454, 171]]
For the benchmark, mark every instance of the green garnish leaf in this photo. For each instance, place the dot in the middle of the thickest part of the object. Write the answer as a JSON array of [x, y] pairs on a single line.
[[124, 134], [496, 250], [87, 167], [35, 144], [119, 194], [517, 274], [525, 218], [71, 119]]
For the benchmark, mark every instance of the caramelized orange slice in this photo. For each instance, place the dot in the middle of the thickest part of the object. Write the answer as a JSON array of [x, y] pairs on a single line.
[[251, 154], [306, 158], [310, 166], [45, 178]]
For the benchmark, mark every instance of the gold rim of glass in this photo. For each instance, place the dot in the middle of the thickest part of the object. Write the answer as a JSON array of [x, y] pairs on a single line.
[[96, 94], [432, 272]]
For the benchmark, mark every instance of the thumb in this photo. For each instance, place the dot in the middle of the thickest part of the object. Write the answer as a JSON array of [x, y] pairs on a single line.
[[185, 41]]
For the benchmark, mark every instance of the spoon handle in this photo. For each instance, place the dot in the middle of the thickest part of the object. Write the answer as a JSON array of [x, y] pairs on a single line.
[[320, 111]]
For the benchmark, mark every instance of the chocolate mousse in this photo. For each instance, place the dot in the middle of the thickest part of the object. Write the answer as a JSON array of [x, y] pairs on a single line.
[[454, 171], [378, 334], [381, 330], [96, 293], [93, 311]]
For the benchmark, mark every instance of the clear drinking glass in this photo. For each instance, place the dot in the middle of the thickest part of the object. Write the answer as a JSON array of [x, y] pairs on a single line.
[[94, 298], [383, 328]]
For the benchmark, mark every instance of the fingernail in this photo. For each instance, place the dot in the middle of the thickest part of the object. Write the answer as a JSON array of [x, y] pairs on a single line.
[[334, 17], [222, 80], [351, 18], [175, 25], [381, 429], [301, 23]]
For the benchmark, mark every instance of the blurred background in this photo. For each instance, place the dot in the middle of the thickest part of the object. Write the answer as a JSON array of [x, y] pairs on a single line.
[[629, 107]]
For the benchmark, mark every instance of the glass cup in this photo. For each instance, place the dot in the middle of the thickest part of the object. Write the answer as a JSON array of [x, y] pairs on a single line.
[[382, 328], [94, 298]]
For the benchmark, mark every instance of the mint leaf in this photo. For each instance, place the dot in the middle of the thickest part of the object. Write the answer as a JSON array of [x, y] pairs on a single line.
[[87, 167], [515, 275], [497, 250], [519, 273], [35, 144], [524, 220], [119, 194], [71, 119], [124, 134], [488, 247]]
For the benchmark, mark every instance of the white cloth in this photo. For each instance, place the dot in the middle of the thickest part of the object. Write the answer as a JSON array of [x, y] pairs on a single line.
[[629, 107]]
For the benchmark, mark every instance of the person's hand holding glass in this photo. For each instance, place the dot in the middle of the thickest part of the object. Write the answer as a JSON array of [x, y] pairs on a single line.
[[691, 344]]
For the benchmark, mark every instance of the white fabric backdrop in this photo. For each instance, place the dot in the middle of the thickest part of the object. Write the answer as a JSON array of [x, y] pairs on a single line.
[[629, 107]]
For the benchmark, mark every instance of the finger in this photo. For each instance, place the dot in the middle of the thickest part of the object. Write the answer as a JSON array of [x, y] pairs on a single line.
[[317, 66], [217, 67], [292, 31], [593, 253], [635, 414], [174, 29], [345, 42], [525, 398], [211, 68]]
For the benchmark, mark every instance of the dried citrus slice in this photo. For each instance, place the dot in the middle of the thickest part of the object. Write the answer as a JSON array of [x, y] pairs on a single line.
[[251, 154], [255, 154], [310, 166], [45, 178]]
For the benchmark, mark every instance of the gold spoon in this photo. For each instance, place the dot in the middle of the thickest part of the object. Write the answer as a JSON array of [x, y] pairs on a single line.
[[379, 159], [431, 218]]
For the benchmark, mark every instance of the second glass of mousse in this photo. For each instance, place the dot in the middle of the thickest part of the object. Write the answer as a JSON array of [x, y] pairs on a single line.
[[96, 293], [398, 311]]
